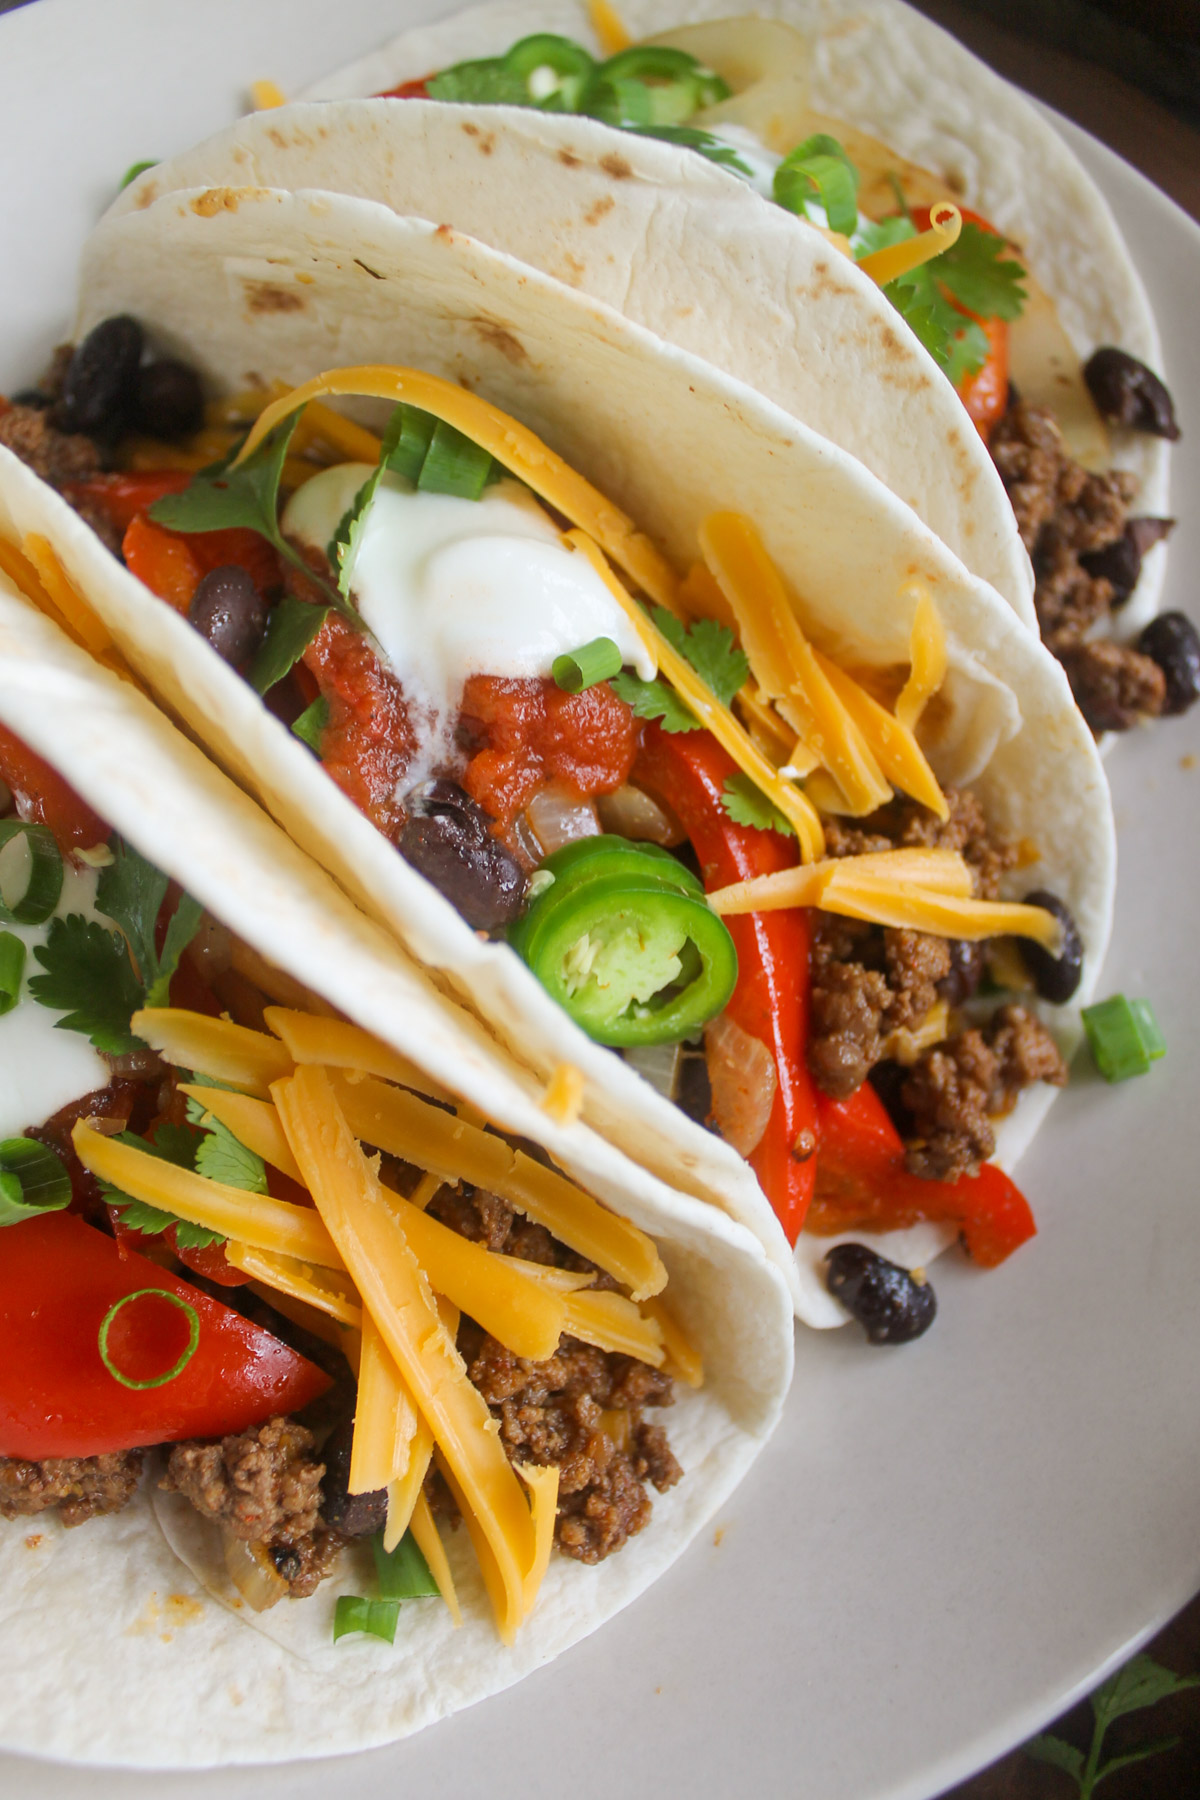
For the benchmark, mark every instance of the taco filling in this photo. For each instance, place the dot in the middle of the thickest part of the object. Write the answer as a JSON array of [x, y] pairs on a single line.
[[245, 1232], [1046, 417], [723, 853]]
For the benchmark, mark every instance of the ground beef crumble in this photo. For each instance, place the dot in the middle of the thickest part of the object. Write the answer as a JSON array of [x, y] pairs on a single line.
[[1068, 518], [264, 1486], [955, 1089], [59, 458], [555, 1411], [82, 1487]]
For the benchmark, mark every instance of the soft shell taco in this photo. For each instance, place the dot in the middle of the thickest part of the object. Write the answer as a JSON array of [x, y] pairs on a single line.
[[239, 1225], [485, 691], [1035, 313]]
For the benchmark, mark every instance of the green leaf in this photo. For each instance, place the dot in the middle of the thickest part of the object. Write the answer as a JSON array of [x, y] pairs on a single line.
[[724, 155], [174, 1144], [184, 924], [134, 170], [655, 700], [223, 1157], [819, 169], [977, 272], [1141, 1683], [1058, 1754], [89, 977], [221, 496], [130, 892], [712, 650], [1157, 1748], [746, 805], [406, 444], [311, 723], [291, 628]]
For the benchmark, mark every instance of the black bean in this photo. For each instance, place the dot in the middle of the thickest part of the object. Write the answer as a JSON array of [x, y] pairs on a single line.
[[1054, 977], [98, 392], [1120, 563], [448, 838], [34, 398], [354, 1515], [169, 400], [888, 1302], [1171, 642], [1126, 392], [228, 610], [967, 964]]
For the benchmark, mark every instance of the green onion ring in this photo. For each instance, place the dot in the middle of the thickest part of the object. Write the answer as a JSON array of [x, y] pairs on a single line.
[[12, 968], [155, 1381], [583, 668], [44, 887]]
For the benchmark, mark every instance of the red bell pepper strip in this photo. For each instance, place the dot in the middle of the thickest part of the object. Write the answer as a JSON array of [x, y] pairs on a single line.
[[408, 90], [42, 797], [771, 999], [58, 1280], [863, 1185], [122, 497], [163, 561], [985, 393]]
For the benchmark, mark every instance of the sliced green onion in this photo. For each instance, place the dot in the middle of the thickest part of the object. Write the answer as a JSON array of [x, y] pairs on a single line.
[[407, 457], [134, 170], [155, 1381], [12, 968], [403, 1573], [32, 1180], [819, 169], [43, 889], [583, 668], [454, 465], [378, 1618], [312, 722], [1123, 1036]]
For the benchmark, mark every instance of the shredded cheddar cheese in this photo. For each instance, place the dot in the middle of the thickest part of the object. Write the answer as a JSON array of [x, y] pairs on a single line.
[[249, 1059], [609, 27], [385, 1419], [563, 1098], [894, 260], [927, 656]]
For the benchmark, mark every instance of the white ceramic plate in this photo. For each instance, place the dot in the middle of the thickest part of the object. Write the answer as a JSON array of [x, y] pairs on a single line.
[[945, 1545]]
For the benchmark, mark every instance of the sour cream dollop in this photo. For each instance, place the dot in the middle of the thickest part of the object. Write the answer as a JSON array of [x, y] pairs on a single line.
[[44, 1068], [450, 588]]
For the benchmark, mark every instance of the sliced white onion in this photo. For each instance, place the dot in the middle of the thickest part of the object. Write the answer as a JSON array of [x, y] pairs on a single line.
[[253, 1573], [658, 1064], [211, 949], [632, 813], [765, 62], [742, 1072], [557, 816]]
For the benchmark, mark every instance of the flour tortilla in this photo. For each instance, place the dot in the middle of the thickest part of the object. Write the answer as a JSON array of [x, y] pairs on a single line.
[[268, 284], [886, 69], [161, 1673], [677, 245]]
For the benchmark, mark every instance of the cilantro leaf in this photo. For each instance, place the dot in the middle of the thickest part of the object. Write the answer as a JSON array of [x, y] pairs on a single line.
[[130, 892], [311, 723], [1140, 1683], [1046, 1748], [89, 977], [183, 926], [486, 82], [222, 496], [712, 650], [974, 272], [724, 155], [655, 700], [747, 805], [819, 169], [223, 1157], [174, 1144], [291, 628]]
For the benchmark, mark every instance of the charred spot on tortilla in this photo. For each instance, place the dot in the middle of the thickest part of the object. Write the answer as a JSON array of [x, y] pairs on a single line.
[[569, 160], [147, 195], [617, 167], [471, 129], [218, 200], [368, 268], [269, 297], [276, 136], [502, 339], [598, 209]]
